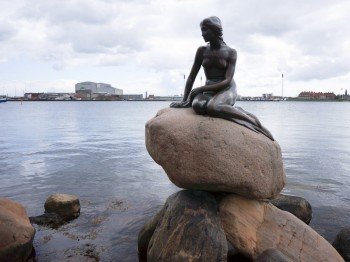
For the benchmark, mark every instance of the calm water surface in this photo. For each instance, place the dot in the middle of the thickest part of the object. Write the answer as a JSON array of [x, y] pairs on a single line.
[[96, 151]]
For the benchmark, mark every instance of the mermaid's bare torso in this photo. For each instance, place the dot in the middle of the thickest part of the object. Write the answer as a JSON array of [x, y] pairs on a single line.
[[215, 63]]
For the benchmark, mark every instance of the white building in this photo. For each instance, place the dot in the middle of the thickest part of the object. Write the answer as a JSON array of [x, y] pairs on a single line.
[[98, 88]]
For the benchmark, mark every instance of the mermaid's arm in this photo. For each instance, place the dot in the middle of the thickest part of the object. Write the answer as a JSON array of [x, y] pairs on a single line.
[[187, 101], [194, 71]]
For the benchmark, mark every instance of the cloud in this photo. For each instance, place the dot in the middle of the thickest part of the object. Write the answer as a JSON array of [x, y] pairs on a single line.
[[56, 12], [306, 40], [7, 31], [319, 68]]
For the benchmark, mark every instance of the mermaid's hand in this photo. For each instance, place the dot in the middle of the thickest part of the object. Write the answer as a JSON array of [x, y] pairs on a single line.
[[195, 92], [182, 104]]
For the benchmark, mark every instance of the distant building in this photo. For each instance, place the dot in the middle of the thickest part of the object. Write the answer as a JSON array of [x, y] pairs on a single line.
[[345, 96], [97, 88], [168, 98], [33, 96], [56, 96], [165, 98], [48, 96], [132, 97], [309, 95], [83, 94], [267, 96], [264, 97]]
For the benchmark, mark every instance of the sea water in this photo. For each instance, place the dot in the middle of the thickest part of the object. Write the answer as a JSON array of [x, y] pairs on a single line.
[[96, 150]]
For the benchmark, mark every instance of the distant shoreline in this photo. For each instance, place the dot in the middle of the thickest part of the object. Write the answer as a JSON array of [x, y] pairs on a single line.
[[92, 100], [159, 100]]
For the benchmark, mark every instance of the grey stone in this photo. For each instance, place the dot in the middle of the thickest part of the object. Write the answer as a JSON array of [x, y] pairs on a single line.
[[298, 206], [51, 220], [16, 232], [66, 206], [146, 234], [342, 243], [213, 154], [253, 226], [189, 230], [272, 255]]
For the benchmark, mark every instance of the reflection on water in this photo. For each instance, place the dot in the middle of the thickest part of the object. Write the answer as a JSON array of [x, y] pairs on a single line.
[[96, 151]]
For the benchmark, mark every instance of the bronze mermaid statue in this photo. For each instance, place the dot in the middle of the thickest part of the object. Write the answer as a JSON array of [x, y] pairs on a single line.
[[217, 97]]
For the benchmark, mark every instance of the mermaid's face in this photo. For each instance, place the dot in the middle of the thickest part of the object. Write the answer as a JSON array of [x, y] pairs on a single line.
[[207, 33]]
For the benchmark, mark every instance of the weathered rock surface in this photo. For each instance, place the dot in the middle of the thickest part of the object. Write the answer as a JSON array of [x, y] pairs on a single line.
[[48, 219], [213, 154], [66, 206], [342, 243], [254, 226], [189, 230], [298, 206], [272, 255], [146, 234], [16, 232]]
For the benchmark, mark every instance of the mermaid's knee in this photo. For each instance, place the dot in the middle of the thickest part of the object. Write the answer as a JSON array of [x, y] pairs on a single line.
[[199, 106], [212, 108]]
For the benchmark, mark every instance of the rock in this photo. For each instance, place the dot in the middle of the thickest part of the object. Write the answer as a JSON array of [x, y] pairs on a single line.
[[189, 230], [298, 206], [16, 232], [146, 234], [342, 243], [272, 255], [213, 154], [51, 220], [253, 226], [65, 206], [59, 209]]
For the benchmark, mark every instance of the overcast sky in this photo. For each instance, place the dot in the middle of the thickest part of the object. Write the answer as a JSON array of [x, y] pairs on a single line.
[[139, 46]]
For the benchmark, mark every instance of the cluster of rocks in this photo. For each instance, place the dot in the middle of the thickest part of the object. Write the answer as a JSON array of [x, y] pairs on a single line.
[[232, 207], [17, 232]]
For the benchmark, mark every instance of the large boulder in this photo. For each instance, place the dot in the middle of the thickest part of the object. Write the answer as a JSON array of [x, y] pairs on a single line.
[[213, 154], [16, 232], [253, 227], [189, 230], [298, 206]]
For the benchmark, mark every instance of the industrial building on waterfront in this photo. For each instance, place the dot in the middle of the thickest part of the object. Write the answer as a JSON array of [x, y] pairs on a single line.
[[97, 88], [310, 95], [132, 97], [48, 96]]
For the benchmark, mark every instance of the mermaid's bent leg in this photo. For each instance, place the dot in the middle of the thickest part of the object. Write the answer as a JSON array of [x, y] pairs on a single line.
[[229, 112]]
